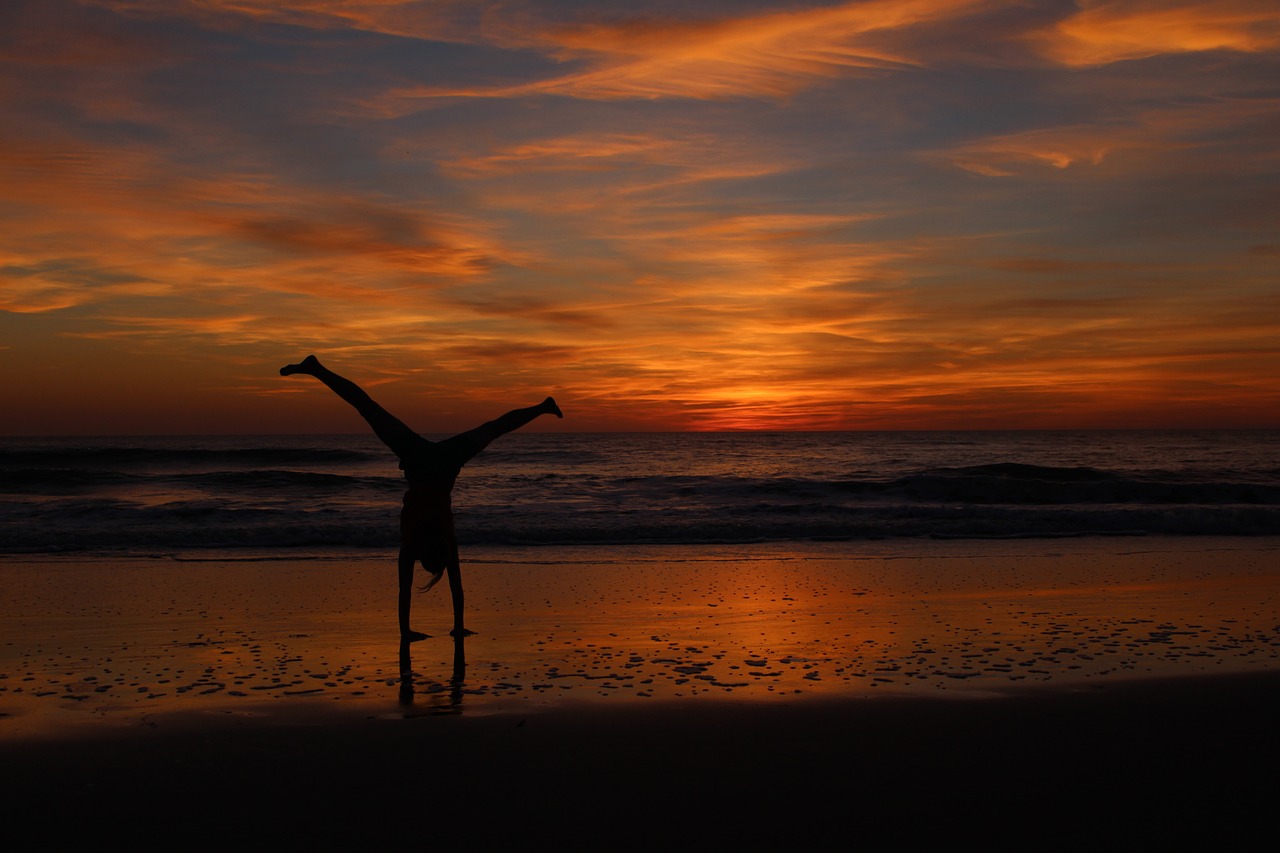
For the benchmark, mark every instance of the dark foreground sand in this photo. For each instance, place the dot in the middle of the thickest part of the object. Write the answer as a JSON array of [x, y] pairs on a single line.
[[1031, 695], [1182, 763]]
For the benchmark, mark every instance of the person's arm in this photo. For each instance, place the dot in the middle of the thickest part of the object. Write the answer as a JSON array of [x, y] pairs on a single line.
[[455, 590], [405, 567]]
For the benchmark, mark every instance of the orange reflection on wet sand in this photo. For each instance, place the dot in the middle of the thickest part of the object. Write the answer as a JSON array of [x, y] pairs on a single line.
[[123, 640]]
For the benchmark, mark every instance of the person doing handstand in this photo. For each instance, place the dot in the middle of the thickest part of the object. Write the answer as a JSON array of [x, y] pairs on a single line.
[[431, 468]]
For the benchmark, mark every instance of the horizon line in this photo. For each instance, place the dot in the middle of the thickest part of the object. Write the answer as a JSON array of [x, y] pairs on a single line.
[[4, 436]]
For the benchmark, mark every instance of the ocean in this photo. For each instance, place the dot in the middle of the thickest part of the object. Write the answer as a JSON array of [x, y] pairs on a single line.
[[241, 495]]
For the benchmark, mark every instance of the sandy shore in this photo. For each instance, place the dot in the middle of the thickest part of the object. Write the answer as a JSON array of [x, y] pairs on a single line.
[[747, 692]]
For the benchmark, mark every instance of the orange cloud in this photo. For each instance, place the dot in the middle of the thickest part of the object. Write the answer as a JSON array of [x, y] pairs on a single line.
[[762, 56], [1151, 132], [439, 19], [105, 221], [1106, 31], [1058, 148], [687, 158]]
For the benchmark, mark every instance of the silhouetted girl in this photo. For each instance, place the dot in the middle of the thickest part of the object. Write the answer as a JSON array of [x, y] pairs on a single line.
[[431, 467]]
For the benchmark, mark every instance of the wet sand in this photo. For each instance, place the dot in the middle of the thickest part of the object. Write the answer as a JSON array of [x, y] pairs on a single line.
[[615, 699]]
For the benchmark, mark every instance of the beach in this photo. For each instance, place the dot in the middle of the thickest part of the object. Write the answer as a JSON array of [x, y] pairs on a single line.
[[774, 690], [855, 424]]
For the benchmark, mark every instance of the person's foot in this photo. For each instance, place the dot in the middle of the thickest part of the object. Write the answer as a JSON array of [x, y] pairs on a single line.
[[413, 636], [308, 366], [551, 408], [460, 632]]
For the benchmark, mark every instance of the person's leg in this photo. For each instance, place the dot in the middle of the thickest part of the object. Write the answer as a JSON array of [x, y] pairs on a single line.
[[391, 430], [473, 441]]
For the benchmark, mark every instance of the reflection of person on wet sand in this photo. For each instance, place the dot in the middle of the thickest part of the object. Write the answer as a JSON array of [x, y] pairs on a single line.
[[441, 703], [431, 467]]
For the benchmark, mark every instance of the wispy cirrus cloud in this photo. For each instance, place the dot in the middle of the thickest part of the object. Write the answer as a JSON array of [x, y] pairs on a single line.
[[1150, 132], [1107, 31], [687, 157], [770, 55], [1058, 148]]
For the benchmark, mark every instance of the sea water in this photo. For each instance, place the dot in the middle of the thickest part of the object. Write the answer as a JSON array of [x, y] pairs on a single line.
[[164, 495]]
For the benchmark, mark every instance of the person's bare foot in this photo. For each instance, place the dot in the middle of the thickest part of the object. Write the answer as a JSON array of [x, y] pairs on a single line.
[[549, 405], [308, 366], [413, 636]]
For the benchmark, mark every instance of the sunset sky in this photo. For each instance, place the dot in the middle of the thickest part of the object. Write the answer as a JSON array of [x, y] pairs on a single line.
[[887, 214]]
